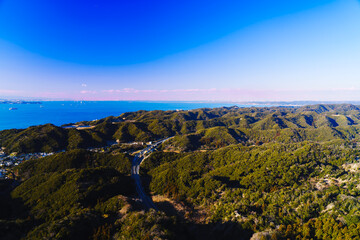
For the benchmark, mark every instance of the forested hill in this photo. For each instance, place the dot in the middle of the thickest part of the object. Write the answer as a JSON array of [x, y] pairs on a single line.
[[229, 173], [198, 129]]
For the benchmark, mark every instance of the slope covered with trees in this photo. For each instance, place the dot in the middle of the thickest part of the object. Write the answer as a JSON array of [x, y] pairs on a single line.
[[200, 128], [228, 173]]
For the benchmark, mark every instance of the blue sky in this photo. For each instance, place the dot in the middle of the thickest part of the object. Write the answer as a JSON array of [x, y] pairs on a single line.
[[180, 50]]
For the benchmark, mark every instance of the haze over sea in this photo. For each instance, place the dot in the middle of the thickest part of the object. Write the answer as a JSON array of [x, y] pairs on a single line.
[[62, 112]]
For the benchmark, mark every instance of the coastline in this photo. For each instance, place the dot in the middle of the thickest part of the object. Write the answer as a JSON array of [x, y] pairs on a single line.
[[66, 112]]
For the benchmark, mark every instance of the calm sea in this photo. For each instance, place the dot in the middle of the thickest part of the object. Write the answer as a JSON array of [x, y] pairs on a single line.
[[60, 112]]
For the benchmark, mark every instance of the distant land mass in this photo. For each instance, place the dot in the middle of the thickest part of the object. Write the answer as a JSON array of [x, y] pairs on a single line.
[[19, 102], [272, 172]]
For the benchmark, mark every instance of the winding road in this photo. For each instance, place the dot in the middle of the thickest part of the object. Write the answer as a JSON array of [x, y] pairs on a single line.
[[135, 173]]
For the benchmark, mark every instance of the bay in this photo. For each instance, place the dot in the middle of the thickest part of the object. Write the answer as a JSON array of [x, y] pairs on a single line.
[[62, 112]]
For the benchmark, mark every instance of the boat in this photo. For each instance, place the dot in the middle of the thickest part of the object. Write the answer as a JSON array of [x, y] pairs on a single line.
[[12, 109]]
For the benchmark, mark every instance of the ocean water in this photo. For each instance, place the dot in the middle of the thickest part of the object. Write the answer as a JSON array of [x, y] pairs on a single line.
[[62, 112]]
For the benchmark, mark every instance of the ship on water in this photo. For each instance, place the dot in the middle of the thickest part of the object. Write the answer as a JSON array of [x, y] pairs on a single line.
[[12, 108]]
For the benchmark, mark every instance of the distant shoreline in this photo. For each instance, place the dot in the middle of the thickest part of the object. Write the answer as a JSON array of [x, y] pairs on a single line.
[[272, 103], [20, 102]]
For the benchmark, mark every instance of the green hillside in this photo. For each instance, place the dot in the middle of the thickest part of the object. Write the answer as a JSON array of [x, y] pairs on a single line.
[[227, 173]]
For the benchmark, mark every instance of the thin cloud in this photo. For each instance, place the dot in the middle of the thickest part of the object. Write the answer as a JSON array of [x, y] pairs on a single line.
[[88, 92], [132, 90], [346, 89], [7, 91]]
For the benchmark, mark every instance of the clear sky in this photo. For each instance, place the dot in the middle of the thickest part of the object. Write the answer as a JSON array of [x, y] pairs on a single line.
[[265, 50]]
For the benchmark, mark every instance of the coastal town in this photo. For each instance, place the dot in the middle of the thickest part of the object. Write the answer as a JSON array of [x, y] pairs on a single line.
[[8, 162]]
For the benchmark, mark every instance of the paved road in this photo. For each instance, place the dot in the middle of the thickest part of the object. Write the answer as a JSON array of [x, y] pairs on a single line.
[[135, 169]]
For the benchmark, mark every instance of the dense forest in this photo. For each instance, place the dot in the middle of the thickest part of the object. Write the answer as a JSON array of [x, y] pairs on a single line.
[[228, 173]]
